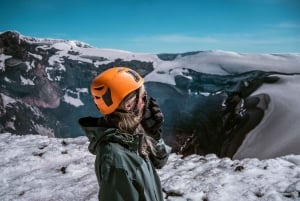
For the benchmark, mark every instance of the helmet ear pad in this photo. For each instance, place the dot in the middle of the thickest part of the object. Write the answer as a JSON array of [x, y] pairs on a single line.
[[111, 86]]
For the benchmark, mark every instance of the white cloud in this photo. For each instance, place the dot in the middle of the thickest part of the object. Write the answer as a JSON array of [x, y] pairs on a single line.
[[259, 42], [234, 38], [287, 25], [273, 38], [177, 38]]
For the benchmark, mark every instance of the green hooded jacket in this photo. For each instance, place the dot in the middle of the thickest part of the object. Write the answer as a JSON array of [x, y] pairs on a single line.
[[123, 175]]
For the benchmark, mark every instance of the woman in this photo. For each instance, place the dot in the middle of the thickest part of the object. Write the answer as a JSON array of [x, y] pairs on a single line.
[[127, 140]]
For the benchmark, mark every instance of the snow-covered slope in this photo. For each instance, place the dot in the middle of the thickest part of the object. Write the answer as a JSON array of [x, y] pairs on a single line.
[[39, 168], [279, 132]]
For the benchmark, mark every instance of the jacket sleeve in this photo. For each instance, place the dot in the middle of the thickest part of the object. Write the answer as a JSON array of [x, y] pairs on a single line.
[[161, 155]]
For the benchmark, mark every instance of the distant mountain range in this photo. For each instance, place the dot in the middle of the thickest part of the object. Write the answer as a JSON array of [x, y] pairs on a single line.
[[45, 88]]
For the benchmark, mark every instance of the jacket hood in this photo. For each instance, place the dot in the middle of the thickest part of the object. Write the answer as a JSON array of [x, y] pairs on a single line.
[[98, 131]]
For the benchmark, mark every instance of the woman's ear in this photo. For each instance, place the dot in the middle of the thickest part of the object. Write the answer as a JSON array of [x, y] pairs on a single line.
[[128, 106]]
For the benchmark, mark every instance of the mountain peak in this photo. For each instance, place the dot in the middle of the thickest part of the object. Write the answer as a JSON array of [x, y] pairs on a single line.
[[18, 37]]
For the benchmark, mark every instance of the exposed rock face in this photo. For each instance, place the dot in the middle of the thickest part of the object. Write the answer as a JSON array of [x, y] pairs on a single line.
[[46, 86]]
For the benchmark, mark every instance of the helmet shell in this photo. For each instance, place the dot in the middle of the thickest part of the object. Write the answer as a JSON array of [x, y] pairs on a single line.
[[111, 86]]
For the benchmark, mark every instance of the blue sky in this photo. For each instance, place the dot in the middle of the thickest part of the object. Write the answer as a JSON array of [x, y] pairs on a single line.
[[161, 26]]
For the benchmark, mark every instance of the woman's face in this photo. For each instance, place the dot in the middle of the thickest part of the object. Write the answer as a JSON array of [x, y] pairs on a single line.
[[142, 98]]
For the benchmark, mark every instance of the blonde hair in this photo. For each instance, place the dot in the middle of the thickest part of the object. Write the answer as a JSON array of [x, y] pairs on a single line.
[[129, 122]]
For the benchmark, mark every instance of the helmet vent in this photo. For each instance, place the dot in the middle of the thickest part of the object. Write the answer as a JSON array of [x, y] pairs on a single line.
[[99, 88], [134, 75], [107, 98]]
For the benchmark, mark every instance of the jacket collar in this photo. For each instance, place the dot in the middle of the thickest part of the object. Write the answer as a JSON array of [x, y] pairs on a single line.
[[132, 142]]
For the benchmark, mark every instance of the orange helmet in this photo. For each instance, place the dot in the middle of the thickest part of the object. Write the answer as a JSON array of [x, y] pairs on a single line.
[[111, 86]]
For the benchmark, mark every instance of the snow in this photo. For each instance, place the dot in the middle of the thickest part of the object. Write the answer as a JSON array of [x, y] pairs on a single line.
[[278, 133], [7, 80], [75, 101], [6, 100], [37, 167], [39, 57], [11, 124], [84, 54], [3, 57], [25, 81], [212, 178], [45, 131], [40, 168]]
